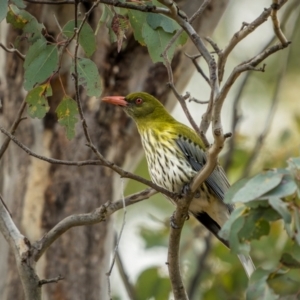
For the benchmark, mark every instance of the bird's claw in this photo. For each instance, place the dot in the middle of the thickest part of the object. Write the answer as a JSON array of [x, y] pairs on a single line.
[[172, 221], [185, 190]]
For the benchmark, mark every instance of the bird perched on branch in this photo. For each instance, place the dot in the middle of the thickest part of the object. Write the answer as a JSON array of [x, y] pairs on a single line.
[[175, 154]]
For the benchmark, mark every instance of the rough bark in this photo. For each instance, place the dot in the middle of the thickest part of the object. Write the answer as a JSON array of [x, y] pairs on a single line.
[[39, 195]]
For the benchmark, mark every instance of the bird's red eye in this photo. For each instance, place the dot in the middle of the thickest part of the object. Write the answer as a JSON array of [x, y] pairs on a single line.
[[138, 101]]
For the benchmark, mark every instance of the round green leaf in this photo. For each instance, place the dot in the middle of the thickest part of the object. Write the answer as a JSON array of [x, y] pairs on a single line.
[[40, 63], [258, 186], [87, 38], [37, 101], [88, 76]]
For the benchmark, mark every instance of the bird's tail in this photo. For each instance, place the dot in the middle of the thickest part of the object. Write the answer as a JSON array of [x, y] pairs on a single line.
[[247, 264]]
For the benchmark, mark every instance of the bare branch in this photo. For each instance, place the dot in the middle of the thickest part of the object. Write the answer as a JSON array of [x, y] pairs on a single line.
[[76, 81], [51, 280], [13, 50], [143, 8], [101, 162], [20, 247], [241, 34], [177, 221], [182, 102], [276, 24], [13, 128], [198, 68], [261, 138], [118, 239], [100, 214], [125, 278]]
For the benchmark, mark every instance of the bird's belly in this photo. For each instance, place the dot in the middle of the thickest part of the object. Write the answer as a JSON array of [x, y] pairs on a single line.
[[169, 172]]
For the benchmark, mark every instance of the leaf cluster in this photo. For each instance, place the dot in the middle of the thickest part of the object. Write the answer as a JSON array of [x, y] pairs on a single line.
[[268, 197], [44, 57]]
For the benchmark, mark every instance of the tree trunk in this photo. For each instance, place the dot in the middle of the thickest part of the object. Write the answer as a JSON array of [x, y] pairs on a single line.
[[39, 194]]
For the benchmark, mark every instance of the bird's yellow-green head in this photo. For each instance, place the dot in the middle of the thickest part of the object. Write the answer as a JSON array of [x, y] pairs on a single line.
[[142, 107]]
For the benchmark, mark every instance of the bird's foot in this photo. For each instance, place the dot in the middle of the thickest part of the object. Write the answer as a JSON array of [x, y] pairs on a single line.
[[185, 190], [173, 222]]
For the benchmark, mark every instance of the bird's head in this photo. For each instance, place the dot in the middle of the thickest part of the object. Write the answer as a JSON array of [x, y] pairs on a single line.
[[140, 106]]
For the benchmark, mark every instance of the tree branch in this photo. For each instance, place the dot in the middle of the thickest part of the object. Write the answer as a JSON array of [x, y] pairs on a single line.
[[241, 34], [101, 162], [100, 214], [13, 128], [20, 246]]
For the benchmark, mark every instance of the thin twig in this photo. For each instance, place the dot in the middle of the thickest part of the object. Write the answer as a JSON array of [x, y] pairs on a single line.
[[184, 107], [118, 239], [238, 95], [197, 66], [143, 8], [100, 214], [76, 81], [235, 121], [101, 162], [13, 50], [125, 278], [262, 136], [192, 99], [246, 29], [13, 128], [201, 262], [51, 280], [276, 24]]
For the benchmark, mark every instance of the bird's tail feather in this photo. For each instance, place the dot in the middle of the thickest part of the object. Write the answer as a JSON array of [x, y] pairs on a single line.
[[247, 264]]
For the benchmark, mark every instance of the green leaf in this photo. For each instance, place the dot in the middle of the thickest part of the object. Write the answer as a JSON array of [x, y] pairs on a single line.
[[160, 21], [226, 229], [67, 112], [37, 101], [287, 187], [255, 226], [294, 168], [257, 186], [289, 261], [3, 9], [17, 18], [234, 241], [258, 288], [19, 3], [152, 285], [21, 19], [87, 38], [282, 208], [156, 41], [137, 20], [105, 12], [40, 63], [283, 284], [88, 76], [234, 189], [297, 225]]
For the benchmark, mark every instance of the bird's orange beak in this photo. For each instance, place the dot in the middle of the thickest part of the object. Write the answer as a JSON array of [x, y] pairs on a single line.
[[116, 100]]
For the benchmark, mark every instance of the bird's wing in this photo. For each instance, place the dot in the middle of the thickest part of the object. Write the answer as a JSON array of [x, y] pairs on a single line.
[[217, 181]]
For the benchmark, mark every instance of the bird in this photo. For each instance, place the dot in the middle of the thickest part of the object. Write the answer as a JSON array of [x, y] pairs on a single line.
[[175, 154]]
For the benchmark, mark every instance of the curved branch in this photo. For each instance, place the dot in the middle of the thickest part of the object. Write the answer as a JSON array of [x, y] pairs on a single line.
[[100, 214], [101, 162], [241, 34], [20, 246]]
